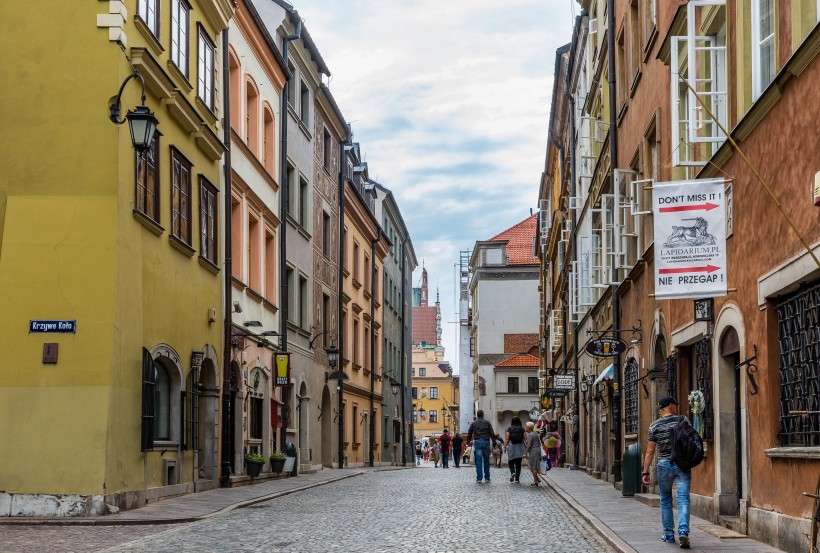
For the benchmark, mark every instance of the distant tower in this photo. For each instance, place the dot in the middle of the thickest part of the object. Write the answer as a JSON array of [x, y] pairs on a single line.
[[438, 318], [423, 301]]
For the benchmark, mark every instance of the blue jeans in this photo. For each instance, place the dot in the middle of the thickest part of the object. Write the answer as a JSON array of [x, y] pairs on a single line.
[[445, 458], [482, 459], [669, 474]]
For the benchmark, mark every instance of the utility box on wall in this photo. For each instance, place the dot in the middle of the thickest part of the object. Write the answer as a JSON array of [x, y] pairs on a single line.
[[632, 470]]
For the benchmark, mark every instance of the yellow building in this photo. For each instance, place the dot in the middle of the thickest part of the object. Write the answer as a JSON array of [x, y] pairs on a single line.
[[124, 408], [365, 247], [434, 393]]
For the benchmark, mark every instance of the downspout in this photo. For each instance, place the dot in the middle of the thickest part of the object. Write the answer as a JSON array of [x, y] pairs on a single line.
[[343, 147], [403, 353], [227, 423], [373, 343], [615, 404], [284, 198]]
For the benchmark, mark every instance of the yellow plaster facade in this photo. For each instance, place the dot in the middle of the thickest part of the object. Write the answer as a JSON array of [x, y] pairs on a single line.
[[433, 389]]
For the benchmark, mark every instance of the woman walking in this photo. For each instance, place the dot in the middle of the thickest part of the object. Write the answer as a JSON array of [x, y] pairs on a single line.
[[533, 443], [514, 446]]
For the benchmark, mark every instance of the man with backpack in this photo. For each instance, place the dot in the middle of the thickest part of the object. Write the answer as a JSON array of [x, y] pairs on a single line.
[[457, 442], [444, 445], [676, 443]]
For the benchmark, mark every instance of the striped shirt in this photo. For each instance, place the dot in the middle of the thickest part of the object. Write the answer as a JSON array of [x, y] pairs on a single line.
[[660, 432]]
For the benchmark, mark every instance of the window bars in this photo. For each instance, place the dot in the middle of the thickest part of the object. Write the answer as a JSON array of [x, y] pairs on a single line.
[[798, 330], [190, 403], [672, 375], [703, 382], [631, 396]]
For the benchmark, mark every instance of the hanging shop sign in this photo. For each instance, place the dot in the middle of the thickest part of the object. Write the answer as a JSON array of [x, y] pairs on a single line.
[[690, 239], [554, 392], [282, 369], [564, 382], [605, 347], [52, 326]]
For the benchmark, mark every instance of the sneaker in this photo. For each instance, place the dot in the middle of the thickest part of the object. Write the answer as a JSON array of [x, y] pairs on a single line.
[[478, 481], [666, 538], [512, 478], [486, 480], [683, 540]]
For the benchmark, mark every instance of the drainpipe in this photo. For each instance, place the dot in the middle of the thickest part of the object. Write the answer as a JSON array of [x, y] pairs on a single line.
[[344, 146], [227, 422], [615, 404], [284, 198], [403, 353], [373, 343]]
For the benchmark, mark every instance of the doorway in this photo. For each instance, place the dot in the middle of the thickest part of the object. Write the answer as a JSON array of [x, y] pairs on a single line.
[[730, 417], [304, 410], [208, 420], [327, 431]]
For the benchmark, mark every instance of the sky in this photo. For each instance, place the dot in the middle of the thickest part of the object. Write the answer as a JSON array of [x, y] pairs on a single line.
[[449, 100]]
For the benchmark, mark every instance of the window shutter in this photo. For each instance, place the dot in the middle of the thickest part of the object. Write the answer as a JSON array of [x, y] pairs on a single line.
[[148, 387]]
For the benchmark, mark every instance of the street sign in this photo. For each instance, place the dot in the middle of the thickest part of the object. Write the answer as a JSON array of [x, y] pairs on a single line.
[[605, 347], [282, 369], [553, 392], [52, 326], [690, 239], [564, 382]]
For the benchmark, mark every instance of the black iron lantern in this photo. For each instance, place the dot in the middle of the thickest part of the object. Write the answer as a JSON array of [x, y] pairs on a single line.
[[141, 122], [332, 356], [395, 386]]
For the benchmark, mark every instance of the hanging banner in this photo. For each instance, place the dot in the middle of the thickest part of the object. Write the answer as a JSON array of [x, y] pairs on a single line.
[[282, 369], [690, 239]]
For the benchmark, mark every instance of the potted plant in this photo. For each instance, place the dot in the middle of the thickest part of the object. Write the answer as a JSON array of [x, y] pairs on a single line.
[[277, 462], [255, 463]]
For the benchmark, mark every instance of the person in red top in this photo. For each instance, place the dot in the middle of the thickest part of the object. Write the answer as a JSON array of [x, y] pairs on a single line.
[[444, 443]]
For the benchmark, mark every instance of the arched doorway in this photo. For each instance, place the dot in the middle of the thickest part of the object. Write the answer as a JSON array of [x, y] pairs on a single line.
[[208, 418], [731, 443], [237, 414], [303, 407], [327, 430]]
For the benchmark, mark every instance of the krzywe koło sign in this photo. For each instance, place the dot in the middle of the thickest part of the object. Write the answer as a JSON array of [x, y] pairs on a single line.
[[690, 239], [52, 326]]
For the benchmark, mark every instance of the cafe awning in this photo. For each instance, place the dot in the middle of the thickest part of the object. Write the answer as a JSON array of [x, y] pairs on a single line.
[[606, 374]]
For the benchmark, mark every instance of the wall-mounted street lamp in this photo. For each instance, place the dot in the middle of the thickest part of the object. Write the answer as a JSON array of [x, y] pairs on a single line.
[[395, 386], [141, 122], [333, 360]]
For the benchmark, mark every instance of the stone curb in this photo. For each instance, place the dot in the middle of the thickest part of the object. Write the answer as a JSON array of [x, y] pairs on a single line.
[[112, 520], [611, 537]]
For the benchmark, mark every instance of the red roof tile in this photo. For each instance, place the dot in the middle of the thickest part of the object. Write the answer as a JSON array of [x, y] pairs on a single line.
[[424, 325], [520, 239], [519, 360]]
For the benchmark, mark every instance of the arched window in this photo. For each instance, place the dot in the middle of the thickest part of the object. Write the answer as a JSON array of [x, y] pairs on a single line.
[[162, 404], [269, 144], [235, 91], [252, 116], [631, 396]]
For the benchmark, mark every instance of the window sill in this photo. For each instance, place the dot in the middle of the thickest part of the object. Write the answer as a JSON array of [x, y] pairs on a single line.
[[150, 38], [622, 112], [367, 294], [160, 445], [254, 294], [650, 42], [148, 222], [210, 116], [345, 271], [270, 306], [793, 452], [181, 246], [180, 76], [356, 283], [209, 265], [636, 78], [238, 284], [356, 366]]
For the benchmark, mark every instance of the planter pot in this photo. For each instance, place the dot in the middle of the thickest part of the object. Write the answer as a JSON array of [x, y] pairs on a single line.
[[289, 463], [254, 467], [277, 465]]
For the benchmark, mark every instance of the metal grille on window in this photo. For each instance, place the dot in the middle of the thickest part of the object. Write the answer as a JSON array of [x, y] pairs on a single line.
[[672, 375], [798, 333], [631, 397], [148, 386], [191, 403], [703, 382]]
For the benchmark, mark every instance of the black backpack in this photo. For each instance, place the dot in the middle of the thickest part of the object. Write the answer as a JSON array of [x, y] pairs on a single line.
[[516, 434], [687, 446]]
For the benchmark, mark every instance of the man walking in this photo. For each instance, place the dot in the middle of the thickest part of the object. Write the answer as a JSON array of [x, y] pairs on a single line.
[[480, 434], [660, 438], [444, 443], [457, 441]]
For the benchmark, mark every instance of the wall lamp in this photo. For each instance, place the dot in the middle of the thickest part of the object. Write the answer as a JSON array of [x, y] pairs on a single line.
[[141, 122], [313, 339]]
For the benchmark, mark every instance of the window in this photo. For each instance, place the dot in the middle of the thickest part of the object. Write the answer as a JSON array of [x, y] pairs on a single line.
[[763, 60], [162, 403], [327, 146], [291, 280], [237, 232], [650, 19], [413, 371], [366, 274], [367, 348], [532, 384], [180, 197], [433, 416], [304, 103], [146, 190], [292, 89], [255, 431], [634, 41], [148, 11], [292, 190], [254, 253], [623, 72], [205, 71], [268, 141], [325, 319], [631, 396], [207, 220], [433, 392], [325, 234], [180, 25], [422, 371], [270, 266], [355, 424], [235, 76], [304, 203], [512, 384], [355, 260], [304, 311], [356, 359], [375, 290], [252, 116], [414, 392]]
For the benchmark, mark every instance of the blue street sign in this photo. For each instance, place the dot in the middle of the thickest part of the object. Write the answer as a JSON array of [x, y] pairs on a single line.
[[52, 326]]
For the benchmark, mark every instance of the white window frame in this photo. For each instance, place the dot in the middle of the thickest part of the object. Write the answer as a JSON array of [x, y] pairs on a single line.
[[180, 34], [205, 63], [148, 10], [757, 45], [717, 80], [676, 98]]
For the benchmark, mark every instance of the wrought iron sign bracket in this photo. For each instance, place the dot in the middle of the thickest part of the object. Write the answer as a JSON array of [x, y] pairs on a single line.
[[751, 368]]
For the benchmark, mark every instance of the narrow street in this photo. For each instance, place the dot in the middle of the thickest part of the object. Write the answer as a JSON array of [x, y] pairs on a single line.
[[440, 510]]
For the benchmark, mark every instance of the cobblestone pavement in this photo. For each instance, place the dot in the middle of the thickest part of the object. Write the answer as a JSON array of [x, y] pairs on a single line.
[[410, 510], [69, 539]]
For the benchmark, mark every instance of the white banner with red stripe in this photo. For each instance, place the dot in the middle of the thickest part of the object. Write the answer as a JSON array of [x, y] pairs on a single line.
[[690, 238]]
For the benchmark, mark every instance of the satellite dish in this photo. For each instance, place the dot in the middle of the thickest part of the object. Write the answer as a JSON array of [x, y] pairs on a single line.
[[534, 414]]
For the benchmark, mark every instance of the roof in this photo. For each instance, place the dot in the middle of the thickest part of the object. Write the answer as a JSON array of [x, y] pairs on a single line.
[[520, 360], [424, 325], [519, 239]]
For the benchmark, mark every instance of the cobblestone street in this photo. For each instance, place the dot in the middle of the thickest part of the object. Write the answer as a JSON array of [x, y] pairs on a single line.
[[441, 511]]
